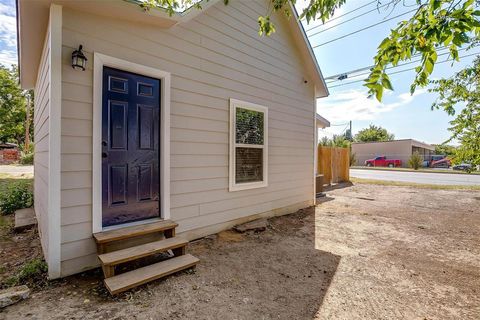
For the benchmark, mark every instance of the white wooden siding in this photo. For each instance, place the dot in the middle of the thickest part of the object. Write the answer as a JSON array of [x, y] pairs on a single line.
[[210, 63], [41, 138]]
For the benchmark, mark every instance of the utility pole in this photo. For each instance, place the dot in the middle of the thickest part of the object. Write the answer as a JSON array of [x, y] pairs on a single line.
[[27, 126], [351, 133]]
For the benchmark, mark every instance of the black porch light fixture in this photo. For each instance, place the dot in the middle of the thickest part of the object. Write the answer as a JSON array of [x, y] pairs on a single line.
[[79, 61]]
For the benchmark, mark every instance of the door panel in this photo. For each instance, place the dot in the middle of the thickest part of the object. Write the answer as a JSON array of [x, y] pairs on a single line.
[[130, 147]]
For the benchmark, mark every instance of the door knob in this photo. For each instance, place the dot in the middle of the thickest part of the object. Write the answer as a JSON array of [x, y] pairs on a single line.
[[104, 143], [104, 154]]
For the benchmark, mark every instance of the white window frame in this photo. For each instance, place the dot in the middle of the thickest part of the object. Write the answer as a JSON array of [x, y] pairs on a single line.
[[233, 186]]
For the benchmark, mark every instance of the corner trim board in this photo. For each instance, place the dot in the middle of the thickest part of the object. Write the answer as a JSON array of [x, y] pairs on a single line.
[[54, 137], [101, 60]]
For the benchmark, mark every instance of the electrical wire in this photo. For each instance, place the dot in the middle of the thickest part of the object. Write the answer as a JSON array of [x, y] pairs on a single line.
[[391, 67], [343, 15], [363, 29], [352, 18], [335, 77], [400, 71]]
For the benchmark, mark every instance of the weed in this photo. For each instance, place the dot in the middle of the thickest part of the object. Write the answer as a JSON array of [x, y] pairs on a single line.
[[414, 185], [33, 272], [16, 196]]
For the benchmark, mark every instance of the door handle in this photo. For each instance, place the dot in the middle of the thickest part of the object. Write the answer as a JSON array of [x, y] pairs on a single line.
[[104, 143], [104, 154]]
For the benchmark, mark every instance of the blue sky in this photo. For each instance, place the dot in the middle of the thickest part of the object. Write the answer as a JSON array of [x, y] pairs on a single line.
[[8, 37], [400, 113]]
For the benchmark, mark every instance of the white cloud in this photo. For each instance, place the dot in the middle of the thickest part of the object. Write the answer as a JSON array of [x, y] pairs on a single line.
[[8, 35], [355, 105]]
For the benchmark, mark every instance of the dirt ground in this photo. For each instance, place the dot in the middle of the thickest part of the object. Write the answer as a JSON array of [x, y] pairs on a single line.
[[365, 252]]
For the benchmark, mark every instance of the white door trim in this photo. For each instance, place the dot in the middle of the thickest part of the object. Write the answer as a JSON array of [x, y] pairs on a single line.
[[101, 60]]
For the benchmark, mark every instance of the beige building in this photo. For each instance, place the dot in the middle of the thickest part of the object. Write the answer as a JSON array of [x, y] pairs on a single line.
[[193, 118], [396, 149]]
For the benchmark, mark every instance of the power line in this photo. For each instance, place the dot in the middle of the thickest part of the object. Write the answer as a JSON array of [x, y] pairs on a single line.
[[363, 29], [387, 68], [343, 15], [339, 125], [352, 18], [345, 74], [400, 71]]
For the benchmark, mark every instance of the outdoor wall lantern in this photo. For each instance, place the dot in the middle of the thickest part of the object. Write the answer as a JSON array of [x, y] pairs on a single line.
[[79, 61]]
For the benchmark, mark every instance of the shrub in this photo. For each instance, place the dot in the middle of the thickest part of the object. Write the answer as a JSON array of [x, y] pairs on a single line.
[[415, 160], [17, 196], [34, 272], [26, 158]]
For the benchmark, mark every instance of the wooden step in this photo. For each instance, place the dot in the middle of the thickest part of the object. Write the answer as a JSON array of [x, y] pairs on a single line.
[[134, 231], [144, 250], [128, 280]]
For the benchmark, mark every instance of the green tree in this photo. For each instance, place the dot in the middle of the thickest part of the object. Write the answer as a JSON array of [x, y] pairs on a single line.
[[462, 89], [373, 133], [12, 107], [445, 149], [336, 141], [434, 26]]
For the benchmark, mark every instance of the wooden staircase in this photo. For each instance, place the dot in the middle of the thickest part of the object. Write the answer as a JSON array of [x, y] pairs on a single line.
[[112, 258]]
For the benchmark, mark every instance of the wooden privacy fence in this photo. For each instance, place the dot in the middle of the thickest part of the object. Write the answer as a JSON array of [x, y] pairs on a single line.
[[334, 164]]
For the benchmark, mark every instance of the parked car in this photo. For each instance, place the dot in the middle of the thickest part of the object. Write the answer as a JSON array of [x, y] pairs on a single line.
[[383, 162], [440, 161], [463, 167]]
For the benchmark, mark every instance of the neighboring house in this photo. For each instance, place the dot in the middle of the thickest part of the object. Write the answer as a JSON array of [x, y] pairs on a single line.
[[321, 122], [396, 149], [9, 153], [193, 118]]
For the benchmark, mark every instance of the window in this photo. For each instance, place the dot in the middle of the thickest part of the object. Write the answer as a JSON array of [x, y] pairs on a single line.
[[248, 145]]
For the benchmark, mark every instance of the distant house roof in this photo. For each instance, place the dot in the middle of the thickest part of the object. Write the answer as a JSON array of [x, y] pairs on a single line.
[[321, 121], [8, 145], [32, 21]]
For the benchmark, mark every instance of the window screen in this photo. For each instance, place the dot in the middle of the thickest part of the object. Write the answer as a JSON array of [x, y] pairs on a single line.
[[249, 150], [248, 165], [249, 126]]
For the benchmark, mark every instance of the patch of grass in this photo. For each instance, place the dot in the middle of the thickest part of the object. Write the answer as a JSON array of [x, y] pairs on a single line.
[[5, 226], [34, 272], [8, 179], [414, 185]]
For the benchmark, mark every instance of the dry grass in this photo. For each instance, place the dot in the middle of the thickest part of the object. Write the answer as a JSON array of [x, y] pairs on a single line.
[[414, 185]]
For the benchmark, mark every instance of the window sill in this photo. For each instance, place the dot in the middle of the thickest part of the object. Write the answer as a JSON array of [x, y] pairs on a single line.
[[247, 186]]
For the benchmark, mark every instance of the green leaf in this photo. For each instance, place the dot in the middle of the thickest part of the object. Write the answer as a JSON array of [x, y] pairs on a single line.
[[379, 93], [386, 83], [429, 65]]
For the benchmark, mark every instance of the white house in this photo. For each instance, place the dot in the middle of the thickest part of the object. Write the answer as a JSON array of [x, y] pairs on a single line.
[[191, 120]]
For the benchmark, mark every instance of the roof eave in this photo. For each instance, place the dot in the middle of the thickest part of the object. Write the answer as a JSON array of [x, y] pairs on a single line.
[[316, 73]]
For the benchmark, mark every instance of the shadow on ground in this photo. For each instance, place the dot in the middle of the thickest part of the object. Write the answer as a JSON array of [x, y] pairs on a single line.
[[339, 185], [275, 274]]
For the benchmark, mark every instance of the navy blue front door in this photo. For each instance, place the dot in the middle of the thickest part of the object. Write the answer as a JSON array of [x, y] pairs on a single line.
[[130, 147]]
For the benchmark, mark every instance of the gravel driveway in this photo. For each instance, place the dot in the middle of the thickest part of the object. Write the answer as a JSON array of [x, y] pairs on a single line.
[[16, 169], [365, 252]]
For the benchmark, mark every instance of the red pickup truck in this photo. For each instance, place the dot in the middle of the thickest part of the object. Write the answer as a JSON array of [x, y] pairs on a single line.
[[383, 162]]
